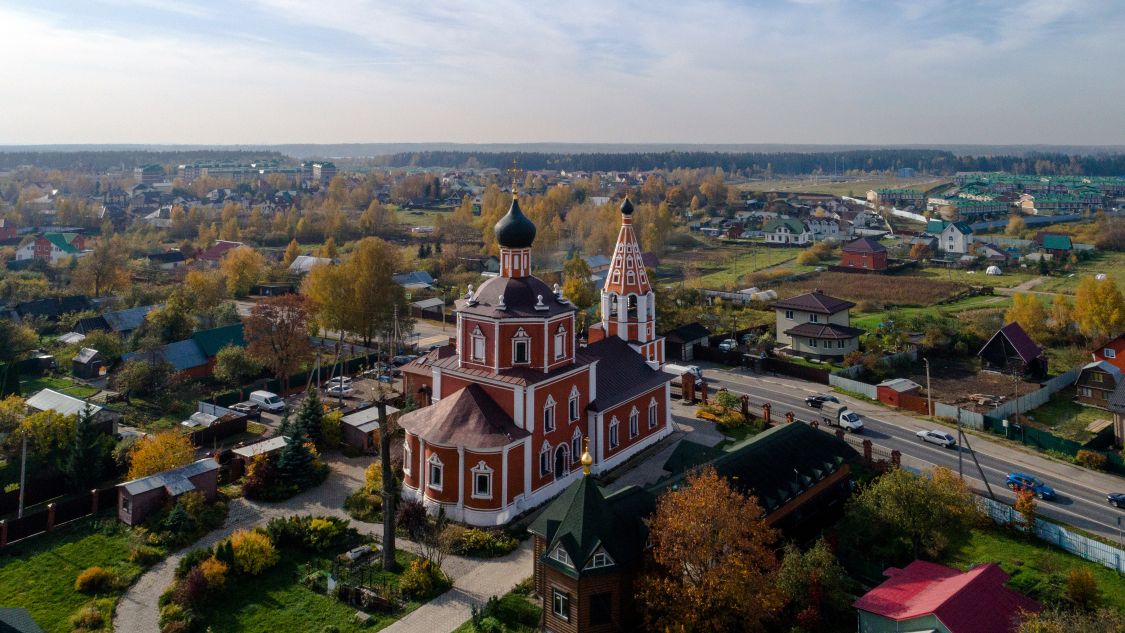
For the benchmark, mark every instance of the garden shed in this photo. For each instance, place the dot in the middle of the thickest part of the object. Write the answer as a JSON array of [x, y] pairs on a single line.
[[141, 497], [361, 428], [88, 364]]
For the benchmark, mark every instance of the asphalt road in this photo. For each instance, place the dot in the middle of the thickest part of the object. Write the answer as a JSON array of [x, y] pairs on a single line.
[[1076, 504]]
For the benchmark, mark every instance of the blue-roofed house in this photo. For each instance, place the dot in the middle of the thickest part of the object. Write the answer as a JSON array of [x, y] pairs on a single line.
[[122, 322], [597, 263], [184, 356], [417, 280]]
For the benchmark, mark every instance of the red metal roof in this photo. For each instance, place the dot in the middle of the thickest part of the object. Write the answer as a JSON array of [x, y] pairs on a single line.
[[975, 601]]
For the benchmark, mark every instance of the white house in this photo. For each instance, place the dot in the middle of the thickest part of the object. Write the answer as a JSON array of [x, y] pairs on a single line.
[[823, 229], [956, 238], [786, 231]]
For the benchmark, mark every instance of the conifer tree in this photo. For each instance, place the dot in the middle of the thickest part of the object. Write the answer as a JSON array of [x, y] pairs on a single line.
[[296, 465], [310, 417], [84, 464]]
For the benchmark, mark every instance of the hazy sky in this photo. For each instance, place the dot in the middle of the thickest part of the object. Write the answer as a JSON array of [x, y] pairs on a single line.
[[803, 71]]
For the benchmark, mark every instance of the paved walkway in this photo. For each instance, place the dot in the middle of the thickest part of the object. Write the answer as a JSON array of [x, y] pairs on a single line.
[[688, 428], [474, 580]]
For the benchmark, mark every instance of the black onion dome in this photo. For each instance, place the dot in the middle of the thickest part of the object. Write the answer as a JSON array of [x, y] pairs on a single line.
[[515, 230], [626, 207]]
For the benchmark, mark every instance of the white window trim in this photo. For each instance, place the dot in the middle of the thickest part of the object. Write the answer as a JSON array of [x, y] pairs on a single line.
[[478, 337], [407, 456], [594, 563], [574, 408], [614, 435], [576, 442], [478, 470], [634, 423], [521, 337], [653, 414], [549, 417], [560, 343], [435, 462], [555, 594], [1109, 353], [545, 450]]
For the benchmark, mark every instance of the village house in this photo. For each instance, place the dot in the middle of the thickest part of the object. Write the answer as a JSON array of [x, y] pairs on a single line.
[[786, 231], [823, 228], [679, 344], [815, 325], [169, 260], [515, 399], [139, 498], [925, 596], [51, 400], [52, 247], [1056, 244], [1096, 382], [955, 238], [866, 254], [302, 264], [1011, 350], [1112, 351], [88, 364], [123, 322], [589, 544], [212, 255]]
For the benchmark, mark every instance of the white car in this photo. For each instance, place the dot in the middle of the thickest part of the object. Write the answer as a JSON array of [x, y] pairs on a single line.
[[941, 438], [338, 380], [728, 345], [340, 391]]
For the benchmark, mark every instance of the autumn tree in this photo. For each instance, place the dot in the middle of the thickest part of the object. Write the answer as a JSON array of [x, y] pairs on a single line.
[[1061, 317], [292, 252], [376, 219], [1016, 226], [902, 516], [1029, 312], [104, 269], [1104, 620], [712, 556], [578, 288], [277, 332], [206, 292], [1025, 506], [920, 251], [234, 366], [156, 453], [374, 294], [817, 590], [242, 268], [1082, 591], [1099, 308]]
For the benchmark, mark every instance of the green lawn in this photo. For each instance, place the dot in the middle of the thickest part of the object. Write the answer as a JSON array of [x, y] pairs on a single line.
[[29, 386], [1066, 418], [871, 321], [516, 611], [1010, 278], [1035, 568], [724, 266], [854, 188], [1112, 264], [273, 602], [39, 574]]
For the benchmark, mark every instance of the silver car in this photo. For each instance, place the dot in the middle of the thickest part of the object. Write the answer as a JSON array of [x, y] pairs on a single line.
[[941, 438]]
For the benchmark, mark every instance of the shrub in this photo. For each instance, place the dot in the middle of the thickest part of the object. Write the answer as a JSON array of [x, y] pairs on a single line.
[[363, 506], [318, 534], [176, 627], [94, 580], [1091, 459], [477, 542], [144, 555], [253, 552], [173, 612], [1082, 589], [192, 559], [88, 618], [215, 573], [422, 580], [191, 589], [807, 257], [412, 517]]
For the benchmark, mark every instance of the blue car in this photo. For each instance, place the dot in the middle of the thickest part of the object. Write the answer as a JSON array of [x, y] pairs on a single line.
[[1020, 482]]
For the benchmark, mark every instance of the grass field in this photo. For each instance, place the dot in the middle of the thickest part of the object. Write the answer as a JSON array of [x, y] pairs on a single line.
[[39, 574], [1066, 418], [724, 266], [1112, 264], [883, 290], [973, 278], [419, 218], [274, 601], [854, 188], [1035, 568], [29, 386], [872, 320]]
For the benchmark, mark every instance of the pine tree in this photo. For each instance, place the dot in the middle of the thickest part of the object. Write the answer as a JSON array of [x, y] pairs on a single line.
[[296, 464], [84, 464], [310, 418]]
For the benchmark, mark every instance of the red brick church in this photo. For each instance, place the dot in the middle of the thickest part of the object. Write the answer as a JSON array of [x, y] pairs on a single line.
[[512, 403]]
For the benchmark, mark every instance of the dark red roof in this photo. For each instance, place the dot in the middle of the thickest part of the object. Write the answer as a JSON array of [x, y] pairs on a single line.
[[864, 245], [815, 301], [824, 331], [975, 601], [217, 250], [1021, 342], [467, 417]]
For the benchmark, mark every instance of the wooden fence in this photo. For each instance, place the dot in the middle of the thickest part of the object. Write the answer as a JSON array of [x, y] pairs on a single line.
[[57, 514]]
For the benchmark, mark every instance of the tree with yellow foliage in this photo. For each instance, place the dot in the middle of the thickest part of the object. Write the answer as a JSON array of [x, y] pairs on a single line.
[[242, 268], [1028, 310], [1099, 308], [713, 558], [160, 452], [292, 252]]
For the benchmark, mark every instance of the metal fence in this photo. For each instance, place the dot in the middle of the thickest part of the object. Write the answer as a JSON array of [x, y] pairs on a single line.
[[854, 386], [971, 419], [1038, 397], [1059, 536]]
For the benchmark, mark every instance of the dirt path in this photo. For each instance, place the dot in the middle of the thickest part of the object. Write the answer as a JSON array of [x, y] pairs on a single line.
[[473, 580]]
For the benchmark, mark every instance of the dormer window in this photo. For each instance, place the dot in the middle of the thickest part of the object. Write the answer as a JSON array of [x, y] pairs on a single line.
[[521, 348], [598, 560], [478, 345], [559, 554], [1109, 353]]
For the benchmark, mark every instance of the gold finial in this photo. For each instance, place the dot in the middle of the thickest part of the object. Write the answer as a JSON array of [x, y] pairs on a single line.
[[514, 173], [587, 459]]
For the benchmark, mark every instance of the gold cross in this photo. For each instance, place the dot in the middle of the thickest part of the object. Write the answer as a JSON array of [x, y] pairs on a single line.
[[514, 173]]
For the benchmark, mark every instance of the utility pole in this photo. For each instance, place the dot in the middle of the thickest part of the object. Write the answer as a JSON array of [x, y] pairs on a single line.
[[23, 475], [960, 441], [929, 394]]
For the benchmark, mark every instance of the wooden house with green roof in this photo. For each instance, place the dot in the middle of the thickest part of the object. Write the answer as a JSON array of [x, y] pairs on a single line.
[[785, 231], [589, 543]]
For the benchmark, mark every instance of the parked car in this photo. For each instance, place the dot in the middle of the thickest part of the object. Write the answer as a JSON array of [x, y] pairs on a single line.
[[818, 400], [941, 438], [340, 391], [1116, 499], [268, 400], [338, 380], [728, 345], [399, 361], [1020, 482], [249, 408]]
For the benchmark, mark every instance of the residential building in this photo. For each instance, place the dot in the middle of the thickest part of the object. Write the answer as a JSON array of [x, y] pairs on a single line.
[[1057, 244], [302, 264], [416, 280], [786, 231], [925, 596], [865, 253], [51, 308], [816, 325], [169, 260], [516, 398], [52, 247], [589, 544], [1112, 351], [955, 238], [1011, 350], [361, 428], [139, 498], [1096, 382], [936, 227], [88, 364], [8, 229], [212, 255], [679, 344], [51, 400], [149, 174], [823, 229], [323, 172], [123, 322], [17, 620], [897, 197]]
